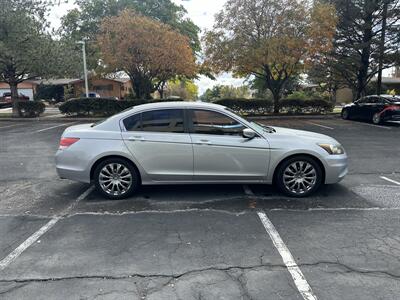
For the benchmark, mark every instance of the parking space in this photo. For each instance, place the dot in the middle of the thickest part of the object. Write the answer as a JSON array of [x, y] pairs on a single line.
[[200, 241]]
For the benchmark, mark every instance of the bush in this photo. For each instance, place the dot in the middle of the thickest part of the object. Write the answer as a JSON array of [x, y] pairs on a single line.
[[100, 107], [306, 106], [30, 109], [248, 106]]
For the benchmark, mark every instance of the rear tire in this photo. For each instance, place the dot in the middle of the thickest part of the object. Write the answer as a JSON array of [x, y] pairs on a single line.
[[299, 176], [116, 178]]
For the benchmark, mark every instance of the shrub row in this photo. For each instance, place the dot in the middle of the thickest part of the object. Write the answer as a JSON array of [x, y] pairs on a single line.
[[107, 106], [100, 106], [289, 106], [248, 106], [308, 106], [30, 109]]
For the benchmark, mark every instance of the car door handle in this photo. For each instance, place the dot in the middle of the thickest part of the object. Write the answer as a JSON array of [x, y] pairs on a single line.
[[203, 142], [136, 138]]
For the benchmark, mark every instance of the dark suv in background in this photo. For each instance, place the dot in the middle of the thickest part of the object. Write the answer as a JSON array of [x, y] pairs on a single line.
[[374, 108]]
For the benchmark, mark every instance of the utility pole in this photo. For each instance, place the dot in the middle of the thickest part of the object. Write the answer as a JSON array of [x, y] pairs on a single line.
[[382, 48], [83, 43]]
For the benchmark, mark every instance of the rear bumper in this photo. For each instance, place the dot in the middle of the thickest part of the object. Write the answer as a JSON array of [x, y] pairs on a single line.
[[336, 168], [69, 166]]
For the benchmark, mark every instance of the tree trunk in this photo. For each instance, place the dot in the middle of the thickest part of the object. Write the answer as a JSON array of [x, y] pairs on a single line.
[[366, 51], [14, 98], [277, 98], [142, 86]]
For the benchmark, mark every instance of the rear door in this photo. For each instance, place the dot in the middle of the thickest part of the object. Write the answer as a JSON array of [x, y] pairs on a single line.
[[221, 153], [160, 143]]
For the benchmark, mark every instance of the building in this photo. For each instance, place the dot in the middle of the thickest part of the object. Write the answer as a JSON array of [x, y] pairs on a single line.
[[27, 88], [117, 88], [105, 87]]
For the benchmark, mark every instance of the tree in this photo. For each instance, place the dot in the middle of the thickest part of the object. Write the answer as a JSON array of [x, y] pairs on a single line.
[[359, 45], [184, 89], [85, 20], [25, 46], [269, 39], [150, 52], [225, 92]]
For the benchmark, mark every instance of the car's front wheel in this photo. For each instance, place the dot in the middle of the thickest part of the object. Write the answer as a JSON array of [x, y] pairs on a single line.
[[345, 114], [376, 119], [299, 176], [116, 178]]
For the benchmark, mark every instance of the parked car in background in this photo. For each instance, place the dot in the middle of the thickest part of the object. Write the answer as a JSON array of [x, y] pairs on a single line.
[[6, 100], [373, 108], [90, 95], [195, 142]]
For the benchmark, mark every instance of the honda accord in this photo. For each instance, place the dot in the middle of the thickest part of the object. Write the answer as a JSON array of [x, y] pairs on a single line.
[[194, 142]]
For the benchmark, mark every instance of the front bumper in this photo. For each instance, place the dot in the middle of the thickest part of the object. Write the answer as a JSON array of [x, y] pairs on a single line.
[[336, 168]]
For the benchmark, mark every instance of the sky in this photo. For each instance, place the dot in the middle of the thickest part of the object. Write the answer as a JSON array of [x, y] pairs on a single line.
[[202, 14]]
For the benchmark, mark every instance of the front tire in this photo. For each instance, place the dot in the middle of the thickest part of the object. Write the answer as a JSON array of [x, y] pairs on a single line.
[[299, 176], [376, 119], [345, 114], [116, 178]]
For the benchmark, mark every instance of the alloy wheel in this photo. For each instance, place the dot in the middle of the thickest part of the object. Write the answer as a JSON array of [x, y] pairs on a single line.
[[115, 179], [299, 177]]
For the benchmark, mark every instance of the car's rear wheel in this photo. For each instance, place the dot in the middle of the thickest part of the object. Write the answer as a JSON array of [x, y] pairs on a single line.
[[116, 178], [299, 176], [376, 119], [345, 114]]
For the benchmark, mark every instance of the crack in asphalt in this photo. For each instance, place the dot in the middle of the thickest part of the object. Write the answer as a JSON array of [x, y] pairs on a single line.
[[272, 267]]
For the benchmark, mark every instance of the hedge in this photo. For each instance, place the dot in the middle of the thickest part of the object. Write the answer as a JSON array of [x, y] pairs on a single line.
[[308, 106], [248, 106], [289, 106], [107, 106], [30, 109], [100, 106]]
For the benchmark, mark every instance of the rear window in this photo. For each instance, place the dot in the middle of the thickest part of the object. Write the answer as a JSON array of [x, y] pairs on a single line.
[[163, 120]]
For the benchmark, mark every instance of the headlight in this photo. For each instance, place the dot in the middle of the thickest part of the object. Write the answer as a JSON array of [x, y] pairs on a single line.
[[332, 149]]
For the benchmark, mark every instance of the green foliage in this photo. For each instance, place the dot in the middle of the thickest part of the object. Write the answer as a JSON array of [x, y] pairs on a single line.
[[248, 106], [225, 91], [30, 109], [49, 92], [306, 106], [100, 107], [289, 106]]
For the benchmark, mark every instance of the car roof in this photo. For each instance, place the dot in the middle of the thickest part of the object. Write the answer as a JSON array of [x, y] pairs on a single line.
[[174, 104]]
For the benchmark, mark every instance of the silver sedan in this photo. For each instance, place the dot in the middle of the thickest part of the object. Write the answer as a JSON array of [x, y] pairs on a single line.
[[192, 142]]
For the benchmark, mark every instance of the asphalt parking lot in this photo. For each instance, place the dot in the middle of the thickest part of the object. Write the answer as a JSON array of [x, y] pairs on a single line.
[[60, 240]]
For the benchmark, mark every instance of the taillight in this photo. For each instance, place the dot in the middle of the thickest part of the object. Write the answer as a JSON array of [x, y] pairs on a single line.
[[66, 142], [392, 107]]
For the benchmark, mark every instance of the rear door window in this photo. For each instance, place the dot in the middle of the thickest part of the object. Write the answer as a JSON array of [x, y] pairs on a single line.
[[163, 120]]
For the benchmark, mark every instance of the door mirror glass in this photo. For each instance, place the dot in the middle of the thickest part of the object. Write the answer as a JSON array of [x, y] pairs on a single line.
[[249, 133]]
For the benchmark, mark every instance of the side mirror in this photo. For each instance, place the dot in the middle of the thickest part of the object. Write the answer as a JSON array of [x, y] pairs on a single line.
[[249, 133]]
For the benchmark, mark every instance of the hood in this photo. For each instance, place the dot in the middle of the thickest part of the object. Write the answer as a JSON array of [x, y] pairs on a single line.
[[302, 134]]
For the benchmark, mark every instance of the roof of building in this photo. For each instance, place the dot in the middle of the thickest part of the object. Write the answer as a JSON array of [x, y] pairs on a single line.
[[59, 81]]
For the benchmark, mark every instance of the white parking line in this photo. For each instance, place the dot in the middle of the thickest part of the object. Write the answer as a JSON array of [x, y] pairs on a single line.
[[8, 126], [373, 125], [299, 280], [319, 125], [28, 242], [60, 125], [390, 180], [5, 262]]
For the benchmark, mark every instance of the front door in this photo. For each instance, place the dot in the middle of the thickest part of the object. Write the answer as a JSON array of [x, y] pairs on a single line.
[[221, 152], [159, 143]]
